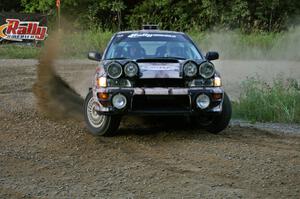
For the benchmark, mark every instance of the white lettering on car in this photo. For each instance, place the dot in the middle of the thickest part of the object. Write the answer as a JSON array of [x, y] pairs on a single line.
[[135, 35]]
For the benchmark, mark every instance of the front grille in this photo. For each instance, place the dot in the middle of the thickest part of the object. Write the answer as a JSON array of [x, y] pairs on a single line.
[[161, 102], [150, 83]]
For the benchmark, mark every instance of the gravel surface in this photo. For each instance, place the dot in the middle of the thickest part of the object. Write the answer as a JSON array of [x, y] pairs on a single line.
[[43, 158]]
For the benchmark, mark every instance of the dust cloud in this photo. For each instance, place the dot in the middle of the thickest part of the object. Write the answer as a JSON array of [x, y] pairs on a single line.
[[236, 46], [265, 56], [55, 98]]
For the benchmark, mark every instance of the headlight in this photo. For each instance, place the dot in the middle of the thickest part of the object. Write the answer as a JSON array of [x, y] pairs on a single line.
[[206, 70], [217, 81], [102, 82], [190, 69], [119, 101], [131, 69], [114, 70], [202, 101]]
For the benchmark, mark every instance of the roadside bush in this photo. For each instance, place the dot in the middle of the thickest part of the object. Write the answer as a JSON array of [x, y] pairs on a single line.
[[276, 102]]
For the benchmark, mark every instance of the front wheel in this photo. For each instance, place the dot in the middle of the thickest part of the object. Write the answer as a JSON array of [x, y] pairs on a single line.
[[97, 124], [220, 122]]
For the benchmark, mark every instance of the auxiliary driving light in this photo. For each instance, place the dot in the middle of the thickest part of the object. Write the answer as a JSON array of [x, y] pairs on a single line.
[[114, 70], [119, 101], [190, 69], [131, 69], [206, 70], [202, 101]]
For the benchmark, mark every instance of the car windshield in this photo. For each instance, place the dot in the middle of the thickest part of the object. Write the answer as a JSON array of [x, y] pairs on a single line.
[[151, 45]]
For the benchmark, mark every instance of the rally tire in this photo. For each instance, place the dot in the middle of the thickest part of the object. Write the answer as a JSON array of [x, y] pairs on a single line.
[[97, 124], [220, 122]]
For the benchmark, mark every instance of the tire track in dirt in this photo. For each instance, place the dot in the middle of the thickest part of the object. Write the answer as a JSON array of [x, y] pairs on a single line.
[[139, 154], [277, 142]]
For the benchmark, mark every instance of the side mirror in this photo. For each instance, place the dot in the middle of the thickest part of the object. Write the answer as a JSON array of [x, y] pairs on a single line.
[[212, 55], [93, 55]]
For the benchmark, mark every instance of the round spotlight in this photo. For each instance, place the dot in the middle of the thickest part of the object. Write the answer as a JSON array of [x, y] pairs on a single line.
[[119, 101], [190, 69], [114, 70], [206, 70], [202, 101], [131, 69]]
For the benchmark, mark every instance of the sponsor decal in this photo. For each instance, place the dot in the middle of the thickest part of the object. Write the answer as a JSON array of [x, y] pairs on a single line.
[[159, 66], [159, 70], [135, 35], [16, 30]]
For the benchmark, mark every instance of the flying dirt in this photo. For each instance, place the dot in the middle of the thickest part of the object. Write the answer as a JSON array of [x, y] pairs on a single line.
[[55, 97]]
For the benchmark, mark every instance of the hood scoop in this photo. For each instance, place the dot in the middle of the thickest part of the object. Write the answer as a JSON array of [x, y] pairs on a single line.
[[157, 60]]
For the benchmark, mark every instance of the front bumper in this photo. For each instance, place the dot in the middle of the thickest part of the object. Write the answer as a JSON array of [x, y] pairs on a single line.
[[160, 101]]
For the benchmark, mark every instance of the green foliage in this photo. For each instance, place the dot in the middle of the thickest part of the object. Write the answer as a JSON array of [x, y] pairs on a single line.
[[78, 44], [260, 101], [9, 5], [246, 15], [38, 6]]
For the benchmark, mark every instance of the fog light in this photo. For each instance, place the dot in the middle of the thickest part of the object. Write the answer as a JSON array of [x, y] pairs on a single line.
[[202, 101], [119, 101]]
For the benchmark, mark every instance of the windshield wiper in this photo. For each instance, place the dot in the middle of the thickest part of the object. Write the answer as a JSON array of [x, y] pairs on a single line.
[[114, 58]]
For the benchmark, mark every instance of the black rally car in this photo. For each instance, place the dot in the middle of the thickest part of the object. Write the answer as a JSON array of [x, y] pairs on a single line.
[[154, 72]]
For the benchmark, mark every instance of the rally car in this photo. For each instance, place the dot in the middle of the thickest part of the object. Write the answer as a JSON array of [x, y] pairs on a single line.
[[155, 72]]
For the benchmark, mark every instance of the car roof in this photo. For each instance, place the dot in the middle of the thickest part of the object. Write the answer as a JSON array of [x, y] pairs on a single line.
[[150, 31]]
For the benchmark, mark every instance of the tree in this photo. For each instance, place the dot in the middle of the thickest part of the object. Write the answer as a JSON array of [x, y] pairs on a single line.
[[247, 15], [10, 5]]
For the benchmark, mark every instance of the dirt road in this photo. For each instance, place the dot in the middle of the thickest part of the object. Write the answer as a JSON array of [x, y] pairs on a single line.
[[42, 158]]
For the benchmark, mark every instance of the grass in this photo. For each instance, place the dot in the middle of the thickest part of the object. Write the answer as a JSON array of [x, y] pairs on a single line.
[[77, 44], [259, 46], [18, 52], [276, 102], [73, 45], [230, 44]]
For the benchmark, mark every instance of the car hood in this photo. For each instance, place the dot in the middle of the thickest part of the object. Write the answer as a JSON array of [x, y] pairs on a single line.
[[160, 70]]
